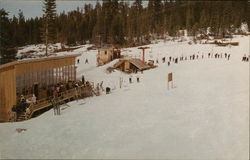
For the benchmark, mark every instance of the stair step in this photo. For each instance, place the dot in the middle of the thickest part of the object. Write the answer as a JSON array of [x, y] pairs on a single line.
[[21, 117]]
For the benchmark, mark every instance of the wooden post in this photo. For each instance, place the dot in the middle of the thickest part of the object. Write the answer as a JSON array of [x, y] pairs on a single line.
[[68, 73], [143, 53], [121, 79], [71, 73], [170, 79], [74, 73], [57, 76]]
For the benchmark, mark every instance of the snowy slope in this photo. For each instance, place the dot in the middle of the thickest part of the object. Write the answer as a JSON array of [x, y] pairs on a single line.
[[206, 115]]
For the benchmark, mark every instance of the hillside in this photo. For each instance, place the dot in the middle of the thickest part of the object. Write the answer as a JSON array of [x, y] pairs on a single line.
[[205, 115]]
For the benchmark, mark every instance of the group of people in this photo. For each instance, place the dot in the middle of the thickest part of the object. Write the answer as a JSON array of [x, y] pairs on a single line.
[[86, 61], [56, 92], [53, 93], [245, 58], [23, 106], [99, 88], [137, 79], [194, 57], [217, 55]]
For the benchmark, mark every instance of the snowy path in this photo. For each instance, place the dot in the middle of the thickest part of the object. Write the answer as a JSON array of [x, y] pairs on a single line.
[[205, 117]]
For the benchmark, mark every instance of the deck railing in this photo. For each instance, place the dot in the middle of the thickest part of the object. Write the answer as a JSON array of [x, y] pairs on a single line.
[[76, 93]]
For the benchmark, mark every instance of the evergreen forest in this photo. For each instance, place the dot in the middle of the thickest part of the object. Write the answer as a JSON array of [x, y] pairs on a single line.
[[118, 22]]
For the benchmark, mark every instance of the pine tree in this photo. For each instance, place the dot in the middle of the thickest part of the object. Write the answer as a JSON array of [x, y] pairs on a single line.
[[48, 30], [21, 36], [7, 50]]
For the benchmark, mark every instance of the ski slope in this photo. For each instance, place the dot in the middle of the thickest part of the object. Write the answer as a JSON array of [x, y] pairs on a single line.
[[205, 115]]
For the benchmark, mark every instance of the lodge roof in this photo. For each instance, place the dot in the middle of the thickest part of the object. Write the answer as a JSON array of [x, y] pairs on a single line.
[[37, 60], [106, 48]]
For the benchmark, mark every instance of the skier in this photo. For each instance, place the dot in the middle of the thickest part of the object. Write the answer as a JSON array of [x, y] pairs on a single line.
[[130, 79], [138, 80], [163, 60], [78, 60], [244, 58], [107, 90], [86, 61], [228, 57], [83, 79], [176, 60]]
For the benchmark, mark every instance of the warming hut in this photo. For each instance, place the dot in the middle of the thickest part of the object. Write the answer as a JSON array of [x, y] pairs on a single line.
[[28, 77], [107, 54], [131, 65]]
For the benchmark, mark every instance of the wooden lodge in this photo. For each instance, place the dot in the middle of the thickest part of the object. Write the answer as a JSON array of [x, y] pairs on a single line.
[[107, 54], [129, 65], [28, 77]]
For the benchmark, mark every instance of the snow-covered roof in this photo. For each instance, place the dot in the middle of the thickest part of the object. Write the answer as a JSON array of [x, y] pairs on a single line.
[[135, 61], [106, 48], [37, 60]]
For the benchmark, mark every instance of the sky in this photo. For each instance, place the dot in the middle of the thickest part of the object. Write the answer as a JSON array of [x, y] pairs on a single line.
[[33, 8]]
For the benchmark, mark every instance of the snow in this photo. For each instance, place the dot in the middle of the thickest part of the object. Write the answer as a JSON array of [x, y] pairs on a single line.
[[205, 115]]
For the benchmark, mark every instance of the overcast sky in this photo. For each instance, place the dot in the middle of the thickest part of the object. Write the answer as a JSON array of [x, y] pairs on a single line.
[[33, 8]]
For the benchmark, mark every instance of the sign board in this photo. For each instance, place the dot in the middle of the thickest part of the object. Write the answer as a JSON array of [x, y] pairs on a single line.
[[170, 77]]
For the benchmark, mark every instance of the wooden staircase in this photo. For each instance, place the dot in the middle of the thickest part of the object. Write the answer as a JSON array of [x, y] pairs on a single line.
[[21, 117]]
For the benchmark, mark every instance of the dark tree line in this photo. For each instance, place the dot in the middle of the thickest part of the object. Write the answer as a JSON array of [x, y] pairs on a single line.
[[117, 22]]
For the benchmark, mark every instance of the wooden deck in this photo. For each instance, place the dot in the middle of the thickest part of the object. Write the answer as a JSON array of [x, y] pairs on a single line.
[[74, 93]]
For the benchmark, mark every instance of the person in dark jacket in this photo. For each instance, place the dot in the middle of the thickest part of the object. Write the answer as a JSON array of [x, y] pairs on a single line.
[[86, 61], [107, 90], [83, 79], [176, 60], [163, 60], [23, 104]]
